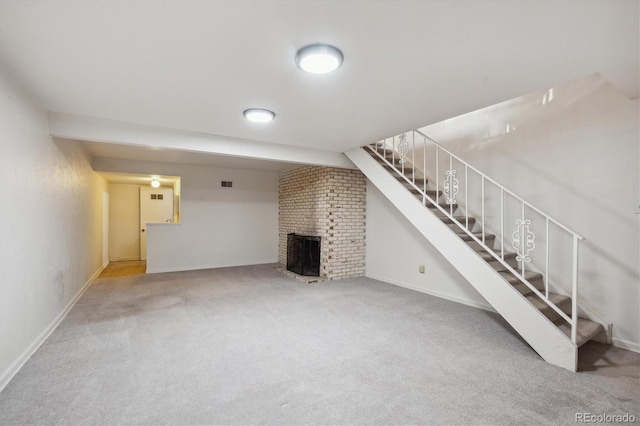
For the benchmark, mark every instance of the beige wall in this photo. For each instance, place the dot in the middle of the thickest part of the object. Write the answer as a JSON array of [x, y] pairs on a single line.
[[124, 222], [329, 203]]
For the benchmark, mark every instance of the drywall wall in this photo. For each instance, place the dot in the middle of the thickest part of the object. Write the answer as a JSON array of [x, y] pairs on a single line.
[[572, 151], [51, 227], [124, 222], [395, 250], [218, 226]]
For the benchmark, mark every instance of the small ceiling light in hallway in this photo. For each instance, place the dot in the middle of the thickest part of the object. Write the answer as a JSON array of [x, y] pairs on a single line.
[[155, 183], [319, 58], [259, 115]]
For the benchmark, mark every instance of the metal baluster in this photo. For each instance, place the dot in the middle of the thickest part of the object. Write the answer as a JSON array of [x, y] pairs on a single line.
[[413, 156], [424, 173], [401, 153], [393, 152], [483, 210], [437, 171], [466, 195], [523, 236], [574, 293], [546, 272], [450, 178], [502, 222]]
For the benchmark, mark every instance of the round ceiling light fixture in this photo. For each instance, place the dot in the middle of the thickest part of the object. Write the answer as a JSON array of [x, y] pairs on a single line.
[[259, 115], [319, 58], [155, 183]]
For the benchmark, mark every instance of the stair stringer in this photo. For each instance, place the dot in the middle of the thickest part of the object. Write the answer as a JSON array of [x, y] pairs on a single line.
[[540, 333]]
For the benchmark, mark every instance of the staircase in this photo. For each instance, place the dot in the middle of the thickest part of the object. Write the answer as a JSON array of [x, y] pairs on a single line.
[[522, 291]]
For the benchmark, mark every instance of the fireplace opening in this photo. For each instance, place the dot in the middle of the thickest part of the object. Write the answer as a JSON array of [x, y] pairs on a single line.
[[303, 254]]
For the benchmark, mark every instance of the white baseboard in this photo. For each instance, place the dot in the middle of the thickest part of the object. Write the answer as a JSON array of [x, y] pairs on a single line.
[[151, 270], [125, 259], [15, 366], [445, 296], [625, 344]]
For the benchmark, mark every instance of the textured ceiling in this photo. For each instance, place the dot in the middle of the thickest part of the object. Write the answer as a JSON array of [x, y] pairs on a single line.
[[196, 65]]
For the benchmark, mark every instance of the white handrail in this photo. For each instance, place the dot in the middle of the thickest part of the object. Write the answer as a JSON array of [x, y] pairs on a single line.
[[525, 238]]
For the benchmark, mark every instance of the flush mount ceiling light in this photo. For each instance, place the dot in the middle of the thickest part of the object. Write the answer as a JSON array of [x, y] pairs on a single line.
[[319, 58], [259, 115], [155, 183]]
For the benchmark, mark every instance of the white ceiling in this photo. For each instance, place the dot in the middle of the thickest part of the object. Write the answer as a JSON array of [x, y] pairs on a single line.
[[196, 65]]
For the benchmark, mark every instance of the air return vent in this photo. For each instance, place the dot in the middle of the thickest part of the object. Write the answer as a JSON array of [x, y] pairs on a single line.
[[226, 184]]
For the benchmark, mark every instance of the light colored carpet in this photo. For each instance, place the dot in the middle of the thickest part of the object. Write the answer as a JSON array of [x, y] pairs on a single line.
[[250, 345]]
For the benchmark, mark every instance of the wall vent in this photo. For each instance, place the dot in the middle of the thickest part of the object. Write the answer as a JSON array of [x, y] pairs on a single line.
[[226, 184]]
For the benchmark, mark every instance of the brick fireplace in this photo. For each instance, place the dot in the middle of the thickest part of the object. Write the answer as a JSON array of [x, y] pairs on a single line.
[[329, 203]]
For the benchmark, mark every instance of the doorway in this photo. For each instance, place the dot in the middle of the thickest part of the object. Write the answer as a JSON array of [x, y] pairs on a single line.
[[122, 230]]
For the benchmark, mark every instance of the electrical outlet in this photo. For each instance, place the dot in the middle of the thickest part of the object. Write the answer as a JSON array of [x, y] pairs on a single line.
[[421, 269]]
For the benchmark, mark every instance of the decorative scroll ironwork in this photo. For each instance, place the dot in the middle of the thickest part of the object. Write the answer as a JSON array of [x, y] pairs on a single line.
[[523, 240], [451, 187], [403, 148]]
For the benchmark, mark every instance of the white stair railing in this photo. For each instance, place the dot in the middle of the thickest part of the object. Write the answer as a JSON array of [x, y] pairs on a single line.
[[400, 152]]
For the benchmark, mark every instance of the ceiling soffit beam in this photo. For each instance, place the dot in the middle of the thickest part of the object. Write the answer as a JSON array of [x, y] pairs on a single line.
[[68, 126]]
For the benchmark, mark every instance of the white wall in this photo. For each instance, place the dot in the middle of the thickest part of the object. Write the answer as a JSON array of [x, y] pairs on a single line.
[[395, 250], [50, 227], [124, 222], [573, 152], [218, 226]]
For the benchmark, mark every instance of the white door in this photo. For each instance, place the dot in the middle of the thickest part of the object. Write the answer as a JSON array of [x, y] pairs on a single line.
[[156, 206]]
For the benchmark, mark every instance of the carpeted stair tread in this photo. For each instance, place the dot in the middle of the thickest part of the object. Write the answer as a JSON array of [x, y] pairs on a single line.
[[587, 329], [398, 167], [394, 162], [478, 235], [533, 278], [418, 194], [499, 266], [509, 258], [460, 219], [419, 179], [445, 206], [418, 183], [560, 300], [488, 257]]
